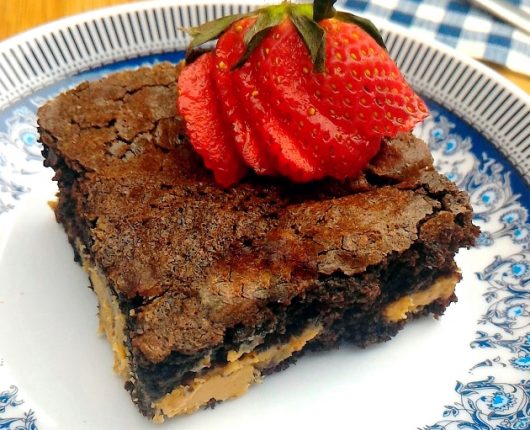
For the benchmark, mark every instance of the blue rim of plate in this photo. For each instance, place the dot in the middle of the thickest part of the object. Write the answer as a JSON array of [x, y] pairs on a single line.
[[496, 111]]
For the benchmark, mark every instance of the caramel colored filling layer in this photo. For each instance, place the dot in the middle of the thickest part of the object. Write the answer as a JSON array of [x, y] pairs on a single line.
[[111, 320], [442, 289], [230, 380], [244, 366], [220, 383]]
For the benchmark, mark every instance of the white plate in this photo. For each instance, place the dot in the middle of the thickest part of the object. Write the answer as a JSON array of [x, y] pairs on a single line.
[[55, 373]]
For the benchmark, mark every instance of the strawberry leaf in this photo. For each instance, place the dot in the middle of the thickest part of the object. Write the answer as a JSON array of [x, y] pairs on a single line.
[[304, 16], [313, 37], [323, 9], [364, 23], [211, 30], [267, 18], [253, 44]]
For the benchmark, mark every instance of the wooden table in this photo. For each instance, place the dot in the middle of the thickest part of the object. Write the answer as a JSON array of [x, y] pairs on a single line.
[[20, 15]]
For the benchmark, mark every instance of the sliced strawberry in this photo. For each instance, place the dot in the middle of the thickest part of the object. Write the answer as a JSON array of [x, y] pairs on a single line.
[[294, 108], [197, 103], [285, 71], [362, 84], [292, 159], [230, 48]]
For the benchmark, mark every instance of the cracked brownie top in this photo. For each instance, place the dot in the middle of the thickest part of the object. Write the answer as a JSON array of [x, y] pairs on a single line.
[[235, 250]]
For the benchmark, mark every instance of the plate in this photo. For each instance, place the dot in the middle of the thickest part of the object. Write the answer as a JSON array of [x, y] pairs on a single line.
[[467, 370]]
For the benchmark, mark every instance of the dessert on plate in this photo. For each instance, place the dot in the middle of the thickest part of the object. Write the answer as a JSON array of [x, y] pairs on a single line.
[[230, 218]]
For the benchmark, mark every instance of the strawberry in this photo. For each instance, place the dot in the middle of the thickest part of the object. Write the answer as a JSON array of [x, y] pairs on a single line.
[[362, 82], [300, 90], [229, 50], [342, 151], [197, 103], [292, 158]]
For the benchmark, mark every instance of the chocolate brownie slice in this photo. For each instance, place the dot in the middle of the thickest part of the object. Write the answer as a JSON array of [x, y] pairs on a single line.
[[203, 291]]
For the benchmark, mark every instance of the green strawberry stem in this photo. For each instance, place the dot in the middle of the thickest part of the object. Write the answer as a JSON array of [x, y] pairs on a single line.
[[323, 9], [305, 17]]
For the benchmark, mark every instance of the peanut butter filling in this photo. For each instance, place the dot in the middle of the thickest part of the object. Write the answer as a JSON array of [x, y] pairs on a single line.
[[244, 348], [442, 288], [220, 383], [244, 366], [230, 380], [111, 320]]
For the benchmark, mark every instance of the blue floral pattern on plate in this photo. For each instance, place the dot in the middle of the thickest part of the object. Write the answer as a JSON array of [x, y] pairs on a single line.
[[489, 404], [505, 326], [19, 155], [8, 399]]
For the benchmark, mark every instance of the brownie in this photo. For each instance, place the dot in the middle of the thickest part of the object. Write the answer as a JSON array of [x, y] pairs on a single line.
[[199, 284]]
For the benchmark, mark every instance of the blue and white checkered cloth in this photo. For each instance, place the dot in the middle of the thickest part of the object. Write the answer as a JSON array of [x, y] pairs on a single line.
[[459, 24]]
